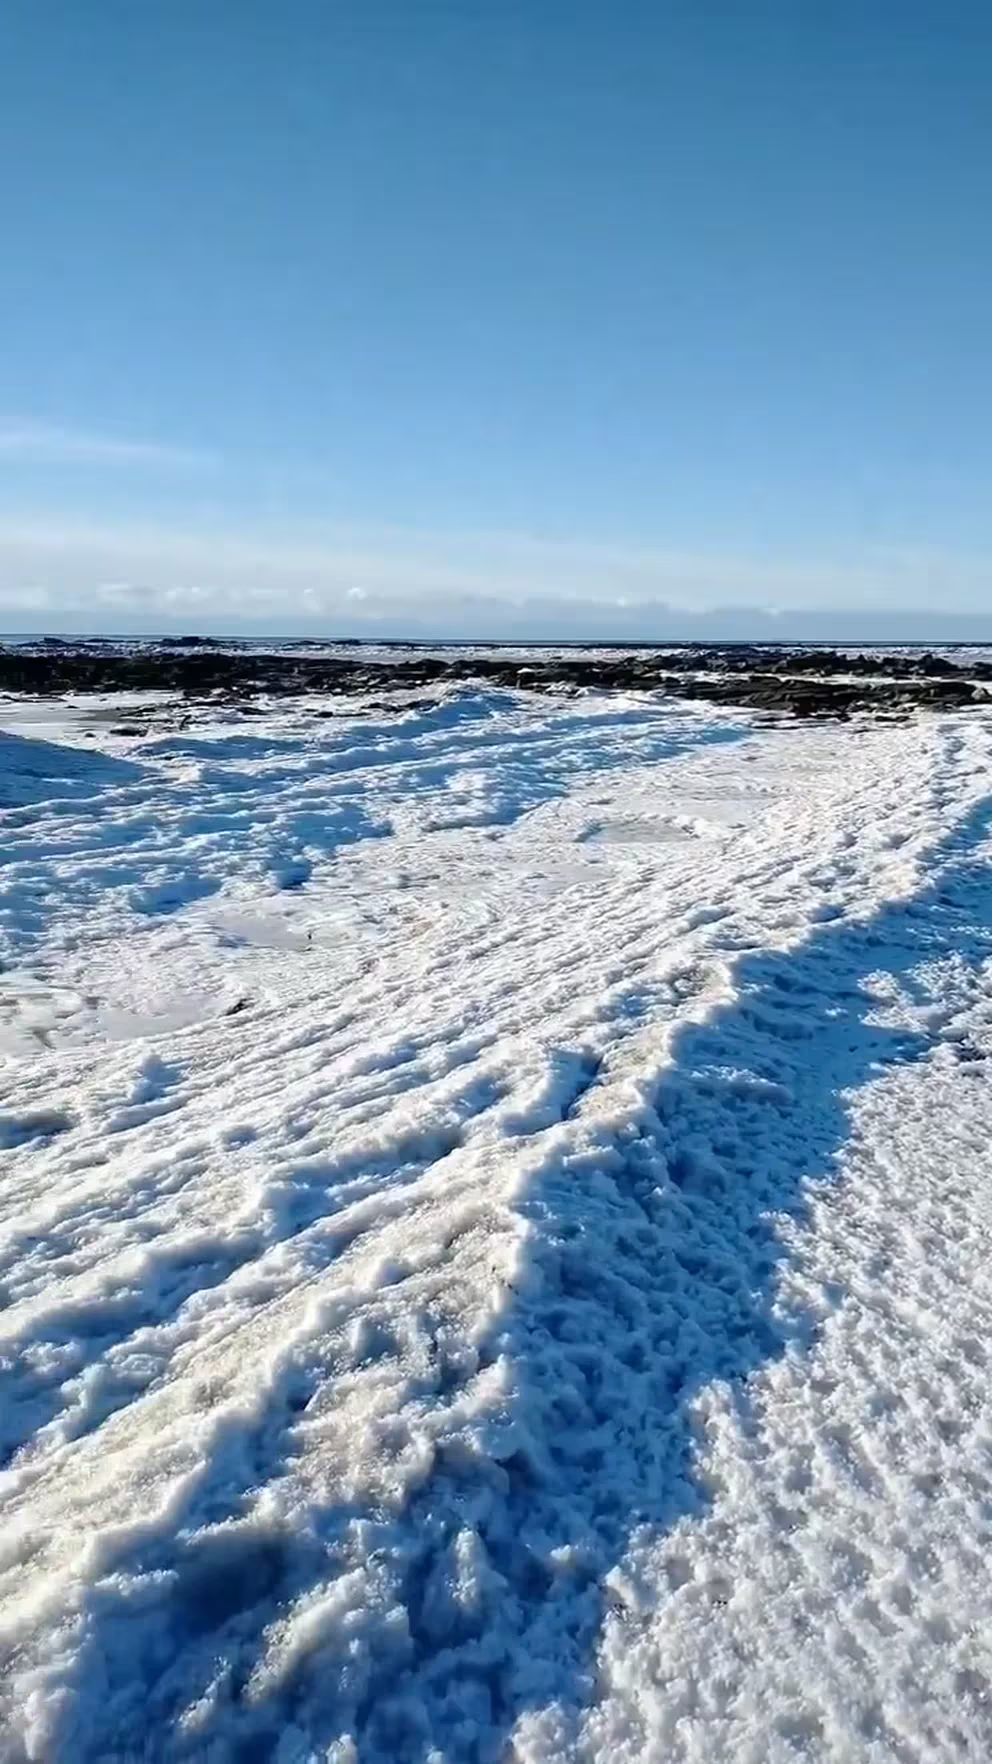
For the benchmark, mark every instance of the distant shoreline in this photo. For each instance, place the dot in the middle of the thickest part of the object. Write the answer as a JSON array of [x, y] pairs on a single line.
[[807, 680], [233, 640]]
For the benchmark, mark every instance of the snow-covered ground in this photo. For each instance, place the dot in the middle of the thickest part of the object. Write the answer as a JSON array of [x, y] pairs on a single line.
[[495, 1236]]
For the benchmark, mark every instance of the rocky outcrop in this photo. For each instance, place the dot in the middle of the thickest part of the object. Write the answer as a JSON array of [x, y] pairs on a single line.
[[804, 683]]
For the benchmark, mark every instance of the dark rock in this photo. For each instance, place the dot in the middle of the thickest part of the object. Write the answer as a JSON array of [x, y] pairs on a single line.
[[776, 680]]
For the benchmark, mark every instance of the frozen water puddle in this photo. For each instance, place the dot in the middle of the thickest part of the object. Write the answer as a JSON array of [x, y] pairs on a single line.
[[637, 832], [36, 1017], [31, 1012], [687, 817]]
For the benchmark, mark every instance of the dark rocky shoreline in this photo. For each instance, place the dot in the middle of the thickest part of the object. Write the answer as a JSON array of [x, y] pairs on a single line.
[[799, 682]]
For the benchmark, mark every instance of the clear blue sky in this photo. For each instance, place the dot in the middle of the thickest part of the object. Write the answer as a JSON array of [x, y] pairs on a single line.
[[433, 311]]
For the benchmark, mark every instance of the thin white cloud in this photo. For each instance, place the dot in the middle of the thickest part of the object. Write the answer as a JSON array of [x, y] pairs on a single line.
[[411, 564], [30, 443], [107, 575]]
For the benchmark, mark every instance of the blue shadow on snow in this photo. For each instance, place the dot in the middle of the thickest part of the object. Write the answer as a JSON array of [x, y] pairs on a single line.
[[45, 771]]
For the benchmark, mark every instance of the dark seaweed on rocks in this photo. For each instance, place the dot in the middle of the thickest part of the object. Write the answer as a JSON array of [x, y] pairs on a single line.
[[803, 683]]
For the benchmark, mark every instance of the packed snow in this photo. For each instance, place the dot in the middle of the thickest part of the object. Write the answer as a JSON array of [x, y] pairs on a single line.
[[495, 1235]]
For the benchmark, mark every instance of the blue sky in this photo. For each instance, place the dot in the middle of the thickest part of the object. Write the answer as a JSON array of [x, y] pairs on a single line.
[[456, 316]]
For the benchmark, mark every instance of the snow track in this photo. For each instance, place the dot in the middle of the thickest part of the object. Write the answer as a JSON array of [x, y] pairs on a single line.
[[494, 1238]]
